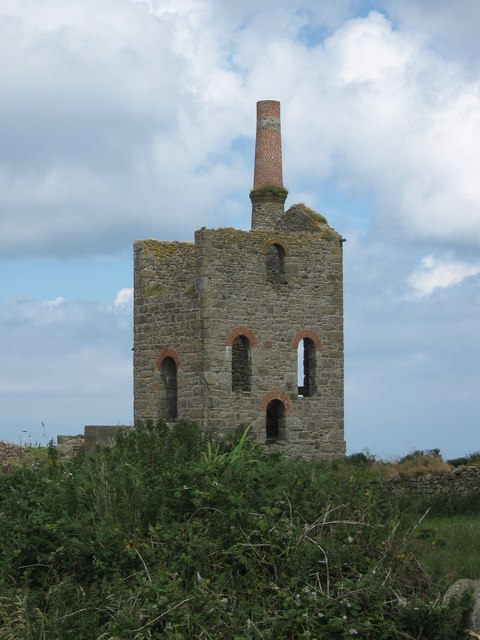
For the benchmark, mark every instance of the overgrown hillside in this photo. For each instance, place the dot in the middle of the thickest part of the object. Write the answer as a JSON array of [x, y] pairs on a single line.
[[176, 535]]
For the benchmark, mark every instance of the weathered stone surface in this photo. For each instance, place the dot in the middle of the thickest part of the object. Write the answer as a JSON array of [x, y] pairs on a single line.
[[232, 289], [462, 481], [13, 454], [100, 435], [69, 446], [457, 589]]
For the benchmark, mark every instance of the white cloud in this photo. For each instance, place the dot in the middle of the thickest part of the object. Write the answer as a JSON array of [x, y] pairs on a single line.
[[124, 300], [52, 304], [450, 28], [64, 362], [131, 118], [433, 274], [124, 119]]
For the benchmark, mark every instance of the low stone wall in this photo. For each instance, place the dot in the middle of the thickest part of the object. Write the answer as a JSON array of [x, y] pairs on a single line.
[[460, 481], [100, 435], [93, 436], [68, 446]]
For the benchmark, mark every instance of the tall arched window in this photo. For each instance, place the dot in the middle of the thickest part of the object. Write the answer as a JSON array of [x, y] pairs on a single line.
[[275, 420], [275, 264], [168, 373], [241, 364], [307, 364]]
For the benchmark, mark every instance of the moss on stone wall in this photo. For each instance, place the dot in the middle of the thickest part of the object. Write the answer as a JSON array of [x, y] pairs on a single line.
[[313, 215], [163, 251], [273, 190], [154, 290]]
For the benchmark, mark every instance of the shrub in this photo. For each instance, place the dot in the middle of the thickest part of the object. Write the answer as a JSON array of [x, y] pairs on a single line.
[[174, 534]]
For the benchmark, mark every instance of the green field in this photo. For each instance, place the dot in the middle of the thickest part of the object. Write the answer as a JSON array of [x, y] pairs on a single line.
[[449, 547]]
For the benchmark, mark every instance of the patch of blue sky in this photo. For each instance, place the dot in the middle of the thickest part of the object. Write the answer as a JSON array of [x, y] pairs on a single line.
[[48, 279], [243, 145], [347, 213], [240, 147], [311, 34], [315, 31], [342, 210]]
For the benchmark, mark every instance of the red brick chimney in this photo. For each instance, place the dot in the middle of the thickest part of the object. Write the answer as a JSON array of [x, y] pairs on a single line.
[[268, 194]]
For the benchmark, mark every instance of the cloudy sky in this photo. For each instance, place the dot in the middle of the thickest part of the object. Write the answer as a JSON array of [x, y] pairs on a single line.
[[126, 119]]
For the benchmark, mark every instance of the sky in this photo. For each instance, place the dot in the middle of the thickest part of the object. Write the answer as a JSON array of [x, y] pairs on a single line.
[[130, 119]]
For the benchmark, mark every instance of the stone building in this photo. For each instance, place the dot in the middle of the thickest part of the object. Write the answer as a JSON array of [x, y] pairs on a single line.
[[222, 325]]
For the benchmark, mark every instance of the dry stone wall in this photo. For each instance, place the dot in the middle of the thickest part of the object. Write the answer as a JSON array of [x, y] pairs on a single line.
[[461, 481], [69, 446]]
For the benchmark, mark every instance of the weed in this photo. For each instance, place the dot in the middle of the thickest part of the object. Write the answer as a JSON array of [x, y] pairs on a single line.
[[269, 190]]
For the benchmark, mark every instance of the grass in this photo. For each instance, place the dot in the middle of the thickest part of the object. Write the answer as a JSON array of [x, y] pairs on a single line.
[[449, 547], [415, 466], [273, 190], [314, 215], [412, 465]]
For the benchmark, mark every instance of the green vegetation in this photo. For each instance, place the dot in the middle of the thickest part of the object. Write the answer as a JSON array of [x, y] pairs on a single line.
[[13, 456], [314, 215], [473, 458], [412, 465], [271, 190], [174, 534], [440, 540]]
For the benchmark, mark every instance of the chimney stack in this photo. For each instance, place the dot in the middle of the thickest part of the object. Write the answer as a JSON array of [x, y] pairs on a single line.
[[268, 194]]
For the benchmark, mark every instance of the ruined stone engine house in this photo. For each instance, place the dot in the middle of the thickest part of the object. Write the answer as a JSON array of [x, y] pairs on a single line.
[[222, 325]]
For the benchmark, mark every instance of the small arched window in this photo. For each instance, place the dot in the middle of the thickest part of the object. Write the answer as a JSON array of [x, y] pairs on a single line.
[[168, 373], [241, 364], [275, 420], [307, 364], [275, 264]]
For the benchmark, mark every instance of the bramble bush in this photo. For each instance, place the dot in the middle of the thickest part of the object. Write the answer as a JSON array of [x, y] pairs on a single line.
[[174, 534]]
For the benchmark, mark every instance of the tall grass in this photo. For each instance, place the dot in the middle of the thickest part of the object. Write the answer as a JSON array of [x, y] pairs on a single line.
[[449, 545]]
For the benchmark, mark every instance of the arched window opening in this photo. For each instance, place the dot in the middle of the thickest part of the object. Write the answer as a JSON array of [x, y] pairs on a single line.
[[275, 262], [307, 363], [168, 372], [275, 420], [241, 364]]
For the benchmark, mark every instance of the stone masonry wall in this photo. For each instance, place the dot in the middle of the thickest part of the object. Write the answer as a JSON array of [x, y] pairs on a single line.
[[166, 316], [267, 209], [192, 300], [235, 292], [461, 481]]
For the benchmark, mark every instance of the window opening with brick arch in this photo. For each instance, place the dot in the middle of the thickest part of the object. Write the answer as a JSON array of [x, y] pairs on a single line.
[[307, 364], [241, 364], [275, 264], [275, 420], [168, 373]]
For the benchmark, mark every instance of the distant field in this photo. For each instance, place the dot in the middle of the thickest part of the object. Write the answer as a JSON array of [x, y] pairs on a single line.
[[450, 547]]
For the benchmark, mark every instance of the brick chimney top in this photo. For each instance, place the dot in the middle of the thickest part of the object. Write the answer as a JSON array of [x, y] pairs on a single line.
[[268, 146], [268, 194]]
